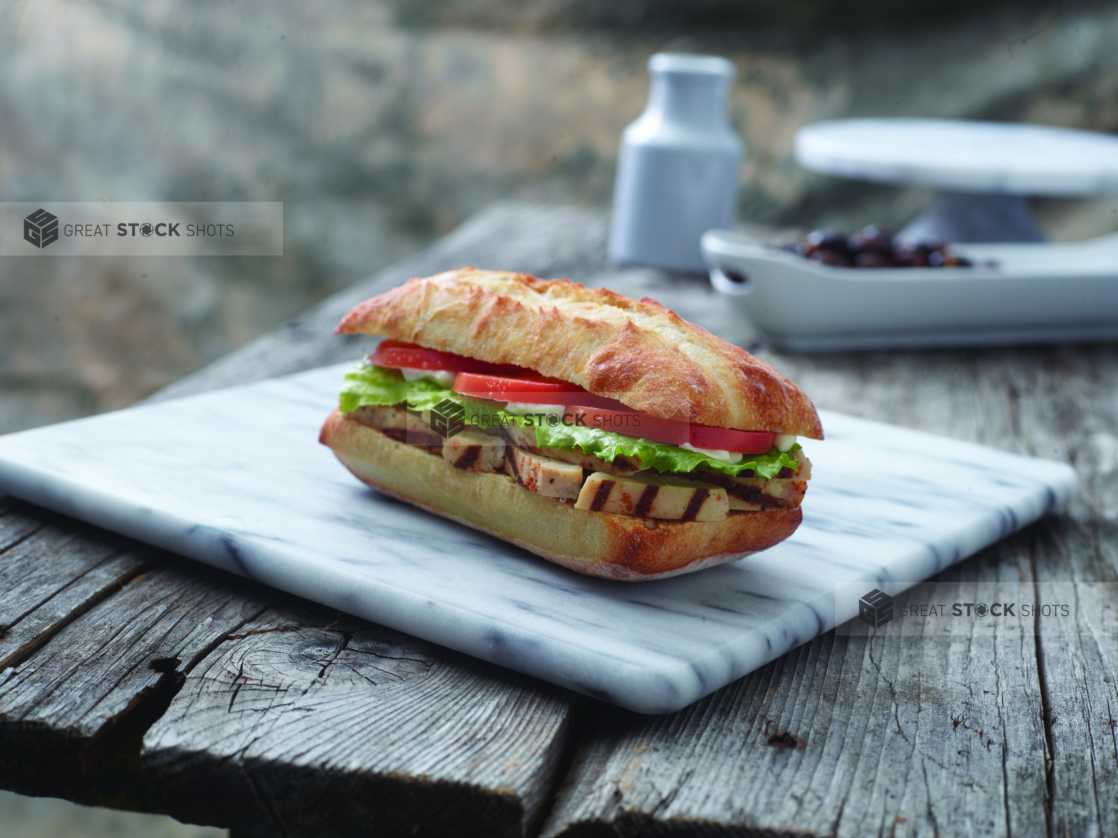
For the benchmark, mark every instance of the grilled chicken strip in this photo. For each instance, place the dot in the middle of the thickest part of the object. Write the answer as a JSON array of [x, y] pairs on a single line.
[[755, 494], [653, 496], [752, 494], [542, 475], [406, 426], [475, 451]]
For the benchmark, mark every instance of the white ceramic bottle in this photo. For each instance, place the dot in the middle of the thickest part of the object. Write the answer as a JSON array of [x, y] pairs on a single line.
[[677, 170]]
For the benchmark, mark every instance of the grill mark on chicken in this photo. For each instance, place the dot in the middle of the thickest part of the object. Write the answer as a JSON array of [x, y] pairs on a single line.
[[783, 474], [697, 500], [398, 425], [674, 499], [732, 487], [396, 434], [511, 459], [602, 495], [622, 466], [624, 463], [749, 494], [644, 504], [468, 458], [755, 496], [413, 438]]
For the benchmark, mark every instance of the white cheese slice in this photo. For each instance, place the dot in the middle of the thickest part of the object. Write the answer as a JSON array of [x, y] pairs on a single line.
[[527, 407], [443, 377], [716, 454], [784, 442]]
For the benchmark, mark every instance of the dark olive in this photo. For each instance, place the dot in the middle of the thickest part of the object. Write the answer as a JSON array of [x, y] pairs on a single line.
[[906, 257], [831, 257], [909, 253], [872, 238], [872, 247], [827, 240], [873, 259]]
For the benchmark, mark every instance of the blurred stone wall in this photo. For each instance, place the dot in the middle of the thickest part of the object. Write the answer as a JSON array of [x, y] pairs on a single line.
[[381, 124]]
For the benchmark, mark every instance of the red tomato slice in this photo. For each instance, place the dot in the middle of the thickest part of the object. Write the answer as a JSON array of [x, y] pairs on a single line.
[[631, 423], [397, 354], [607, 414], [529, 387], [653, 428], [728, 439]]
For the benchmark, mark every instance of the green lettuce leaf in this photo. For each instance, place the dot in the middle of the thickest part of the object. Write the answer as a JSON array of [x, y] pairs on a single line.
[[657, 455], [371, 385]]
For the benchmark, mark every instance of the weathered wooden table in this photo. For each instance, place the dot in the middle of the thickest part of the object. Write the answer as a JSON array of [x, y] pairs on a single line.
[[137, 679]]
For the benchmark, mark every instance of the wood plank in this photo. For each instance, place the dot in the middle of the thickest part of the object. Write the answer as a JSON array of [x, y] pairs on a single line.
[[1067, 406], [295, 727], [34, 603], [68, 709], [1079, 675], [15, 523]]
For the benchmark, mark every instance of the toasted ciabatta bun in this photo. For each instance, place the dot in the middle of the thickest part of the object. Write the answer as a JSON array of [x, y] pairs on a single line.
[[635, 351], [594, 543]]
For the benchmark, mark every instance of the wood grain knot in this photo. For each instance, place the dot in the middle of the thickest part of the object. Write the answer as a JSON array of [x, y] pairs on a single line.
[[782, 740]]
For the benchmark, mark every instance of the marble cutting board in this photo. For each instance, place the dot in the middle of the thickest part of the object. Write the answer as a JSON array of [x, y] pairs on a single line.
[[236, 478]]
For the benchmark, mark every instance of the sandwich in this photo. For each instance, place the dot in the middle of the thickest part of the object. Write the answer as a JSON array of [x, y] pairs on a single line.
[[602, 433]]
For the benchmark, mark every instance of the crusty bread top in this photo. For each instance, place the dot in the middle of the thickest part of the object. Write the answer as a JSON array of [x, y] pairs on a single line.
[[635, 351]]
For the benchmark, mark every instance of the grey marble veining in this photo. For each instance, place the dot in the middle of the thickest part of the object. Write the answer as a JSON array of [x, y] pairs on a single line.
[[237, 479]]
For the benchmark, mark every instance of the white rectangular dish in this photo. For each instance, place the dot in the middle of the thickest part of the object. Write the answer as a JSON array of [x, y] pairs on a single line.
[[1034, 293], [236, 478]]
